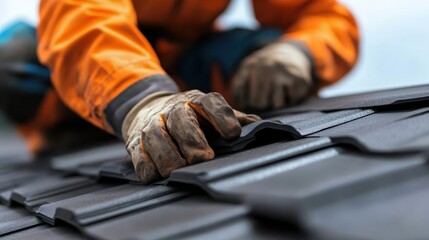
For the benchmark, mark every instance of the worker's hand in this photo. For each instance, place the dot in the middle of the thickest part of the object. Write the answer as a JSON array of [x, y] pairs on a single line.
[[273, 77], [163, 132]]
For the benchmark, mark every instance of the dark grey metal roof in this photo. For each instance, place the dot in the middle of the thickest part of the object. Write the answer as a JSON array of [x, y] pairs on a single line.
[[357, 171], [375, 99]]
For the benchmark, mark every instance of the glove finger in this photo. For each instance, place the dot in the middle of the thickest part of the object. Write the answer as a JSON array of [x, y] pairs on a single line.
[[240, 88], [264, 83], [143, 164], [245, 119], [254, 90], [161, 147], [296, 87], [294, 93], [300, 90], [183, 126], [288, 90], [279, 94], [216, 110]]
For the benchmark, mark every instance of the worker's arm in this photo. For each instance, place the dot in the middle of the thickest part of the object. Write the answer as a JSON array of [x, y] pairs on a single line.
[[105, 70], [101, 64], [325, 27], [319, 46]]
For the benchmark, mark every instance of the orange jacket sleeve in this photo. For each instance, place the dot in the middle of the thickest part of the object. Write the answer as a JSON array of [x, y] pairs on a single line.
[[101, 64], [325, 28]]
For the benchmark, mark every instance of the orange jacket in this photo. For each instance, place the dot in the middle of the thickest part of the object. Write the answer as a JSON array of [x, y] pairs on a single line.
[[102, 64]]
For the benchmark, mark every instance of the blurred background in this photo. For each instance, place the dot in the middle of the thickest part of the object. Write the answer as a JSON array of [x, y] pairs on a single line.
[[395, 43]]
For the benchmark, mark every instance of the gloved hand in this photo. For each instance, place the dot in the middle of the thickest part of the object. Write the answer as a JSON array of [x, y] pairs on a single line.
[[273, 77], [162, 132]]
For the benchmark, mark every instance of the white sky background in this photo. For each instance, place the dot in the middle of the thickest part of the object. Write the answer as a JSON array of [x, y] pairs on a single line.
[[395, 40], [11, 10]]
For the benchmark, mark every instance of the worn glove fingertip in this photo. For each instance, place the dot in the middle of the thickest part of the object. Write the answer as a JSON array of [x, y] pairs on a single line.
[[200, 155], [147, 173], [143, 165], [245, 119], [250, 118]]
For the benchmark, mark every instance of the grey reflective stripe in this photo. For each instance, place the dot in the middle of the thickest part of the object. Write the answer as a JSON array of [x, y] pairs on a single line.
[[306, 51], [119, 107]]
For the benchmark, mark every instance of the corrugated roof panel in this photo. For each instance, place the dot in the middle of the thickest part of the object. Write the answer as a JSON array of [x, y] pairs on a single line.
[[97, 155], [385, 132], [314, 187], [381, 98], [292, 127], [246, 160], [46, 233], [16, 220], [107, 203], [168, 221]]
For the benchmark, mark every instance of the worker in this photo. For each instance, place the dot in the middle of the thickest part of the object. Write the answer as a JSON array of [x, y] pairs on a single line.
[[159, 74]]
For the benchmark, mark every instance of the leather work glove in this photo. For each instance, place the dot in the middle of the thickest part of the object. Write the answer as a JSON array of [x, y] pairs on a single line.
[[273, 77], [162, 132]]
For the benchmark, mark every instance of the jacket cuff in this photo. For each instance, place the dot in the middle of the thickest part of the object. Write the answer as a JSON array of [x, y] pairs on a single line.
[[119, 107]]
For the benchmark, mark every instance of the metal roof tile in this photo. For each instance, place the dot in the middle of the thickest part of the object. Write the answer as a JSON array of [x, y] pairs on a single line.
[[107, 203], [380, 98]]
